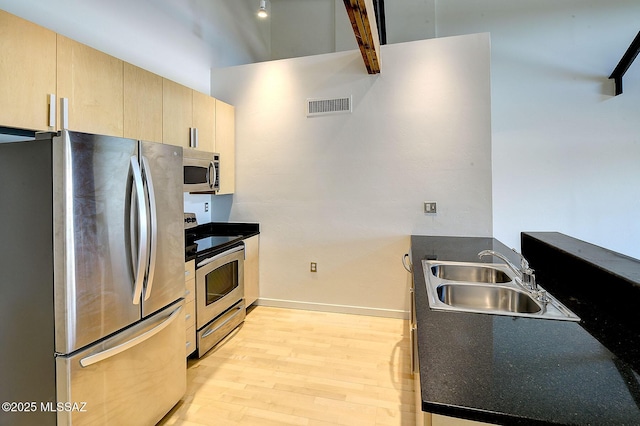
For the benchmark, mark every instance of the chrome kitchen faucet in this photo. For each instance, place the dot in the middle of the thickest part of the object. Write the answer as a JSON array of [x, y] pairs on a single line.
[[524, 273]]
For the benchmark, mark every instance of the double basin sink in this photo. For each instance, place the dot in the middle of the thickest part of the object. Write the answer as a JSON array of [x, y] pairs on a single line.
[[488, 288]]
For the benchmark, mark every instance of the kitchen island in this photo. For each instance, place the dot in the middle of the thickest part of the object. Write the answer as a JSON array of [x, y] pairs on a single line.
[[513, 370]]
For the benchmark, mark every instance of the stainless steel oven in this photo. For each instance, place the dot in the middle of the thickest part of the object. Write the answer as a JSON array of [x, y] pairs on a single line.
[[219, 296]]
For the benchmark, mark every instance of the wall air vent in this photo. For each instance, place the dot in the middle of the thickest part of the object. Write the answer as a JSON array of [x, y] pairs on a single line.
[[328, 106]]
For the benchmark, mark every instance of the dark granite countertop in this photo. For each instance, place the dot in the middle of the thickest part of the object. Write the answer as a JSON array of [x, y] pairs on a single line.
[[598, 284], [625, 267], [209, 238], [509, 370]]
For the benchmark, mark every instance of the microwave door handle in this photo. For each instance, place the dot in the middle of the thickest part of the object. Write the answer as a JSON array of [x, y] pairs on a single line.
[[142, 228], [213, 175], [218, 256], [153, 226]]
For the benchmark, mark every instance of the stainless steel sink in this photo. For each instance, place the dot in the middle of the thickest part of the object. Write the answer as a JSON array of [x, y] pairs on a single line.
[[470, 273], [487, 288], [487, 298]]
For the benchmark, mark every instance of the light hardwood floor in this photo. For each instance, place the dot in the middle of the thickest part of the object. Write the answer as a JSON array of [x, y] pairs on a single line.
[[286, 366]]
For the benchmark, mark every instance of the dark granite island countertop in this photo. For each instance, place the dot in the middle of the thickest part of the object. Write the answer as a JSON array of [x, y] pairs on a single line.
[[513, 370]]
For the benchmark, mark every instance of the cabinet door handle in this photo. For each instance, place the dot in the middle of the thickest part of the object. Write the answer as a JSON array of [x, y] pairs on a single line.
[[193, 137], [52, 110]]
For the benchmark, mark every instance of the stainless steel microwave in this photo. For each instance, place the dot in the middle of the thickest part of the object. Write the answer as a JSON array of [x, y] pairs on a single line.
[[201, 171]]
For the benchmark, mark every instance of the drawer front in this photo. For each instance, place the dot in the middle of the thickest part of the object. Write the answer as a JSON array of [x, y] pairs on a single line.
[[189, 270], [190, 314], [190, 290], [190, 280], [190, 344]]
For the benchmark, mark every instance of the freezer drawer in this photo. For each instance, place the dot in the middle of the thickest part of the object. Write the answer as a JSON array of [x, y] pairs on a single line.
[[134, 377]]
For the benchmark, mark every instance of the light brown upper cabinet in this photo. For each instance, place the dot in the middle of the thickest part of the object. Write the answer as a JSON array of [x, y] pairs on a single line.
[[204, 120], [226, 146], [142, 104], [189, 117], [177, 113], [27, 74], [92, 81], [104, 95]]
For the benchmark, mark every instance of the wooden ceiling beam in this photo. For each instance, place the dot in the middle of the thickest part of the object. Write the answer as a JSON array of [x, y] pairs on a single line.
[[362, 16]]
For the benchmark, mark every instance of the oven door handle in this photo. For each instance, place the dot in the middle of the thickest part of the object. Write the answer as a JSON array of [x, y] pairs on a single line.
[[209, 332], [218, 256]]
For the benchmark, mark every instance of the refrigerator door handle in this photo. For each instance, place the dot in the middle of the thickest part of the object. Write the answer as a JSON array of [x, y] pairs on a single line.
[[143, 237], [115, 350], [153, 226]]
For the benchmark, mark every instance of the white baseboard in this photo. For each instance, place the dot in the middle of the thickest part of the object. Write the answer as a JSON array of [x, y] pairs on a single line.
[[326, 307]]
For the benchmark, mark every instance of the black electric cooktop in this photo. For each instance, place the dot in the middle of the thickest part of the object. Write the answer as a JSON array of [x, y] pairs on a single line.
[[209, 246], [208, 243], [209, 239]]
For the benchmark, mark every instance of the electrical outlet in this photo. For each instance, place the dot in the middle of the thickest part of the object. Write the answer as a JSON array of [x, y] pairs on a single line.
[[314, 267], [430, 207], [206, 207]]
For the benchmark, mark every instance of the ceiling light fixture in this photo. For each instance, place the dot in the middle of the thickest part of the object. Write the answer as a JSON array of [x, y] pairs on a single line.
[[262, 11]]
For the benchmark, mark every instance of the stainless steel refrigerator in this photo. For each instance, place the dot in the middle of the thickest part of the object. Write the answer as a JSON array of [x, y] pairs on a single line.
[[91, 280]]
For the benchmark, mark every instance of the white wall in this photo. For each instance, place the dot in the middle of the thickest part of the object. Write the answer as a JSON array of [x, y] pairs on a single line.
[[305, 28], [346, 191], [313, 35], [312, 27], [566, 153], [409, 20], [179, 40]]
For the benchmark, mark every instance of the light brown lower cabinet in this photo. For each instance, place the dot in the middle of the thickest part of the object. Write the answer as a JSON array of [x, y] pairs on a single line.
[[251, 269], [439, 420], [190, 306]]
